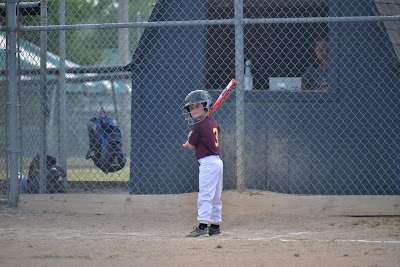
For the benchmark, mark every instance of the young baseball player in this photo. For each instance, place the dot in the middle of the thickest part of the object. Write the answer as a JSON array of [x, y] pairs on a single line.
[[204, 139]]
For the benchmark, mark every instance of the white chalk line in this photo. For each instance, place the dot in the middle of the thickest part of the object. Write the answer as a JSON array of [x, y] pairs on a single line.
[[95, 234], [280, 237], [345, 240], [275, 237]]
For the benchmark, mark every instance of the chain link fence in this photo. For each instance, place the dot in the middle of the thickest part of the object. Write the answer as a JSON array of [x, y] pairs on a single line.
[[316, 110]]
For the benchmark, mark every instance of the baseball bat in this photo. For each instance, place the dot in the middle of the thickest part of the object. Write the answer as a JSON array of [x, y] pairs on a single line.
[[221, 99]]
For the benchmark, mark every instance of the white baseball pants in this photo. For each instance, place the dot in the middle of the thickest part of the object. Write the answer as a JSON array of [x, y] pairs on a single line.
[[209, 205]]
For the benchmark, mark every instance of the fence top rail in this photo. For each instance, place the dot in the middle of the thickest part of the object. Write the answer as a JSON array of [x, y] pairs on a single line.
[[75, 70], [201, 22]]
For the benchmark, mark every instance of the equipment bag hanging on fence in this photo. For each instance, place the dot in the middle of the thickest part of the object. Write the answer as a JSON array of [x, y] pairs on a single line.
[[105, 143]]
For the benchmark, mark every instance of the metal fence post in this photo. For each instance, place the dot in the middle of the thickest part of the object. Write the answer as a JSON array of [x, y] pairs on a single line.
[[13, 100], [63, 94], [239, 73], [123, 33], [43, 98]]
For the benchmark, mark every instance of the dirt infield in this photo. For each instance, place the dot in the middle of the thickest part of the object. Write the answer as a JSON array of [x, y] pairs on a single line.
[[251, 238]]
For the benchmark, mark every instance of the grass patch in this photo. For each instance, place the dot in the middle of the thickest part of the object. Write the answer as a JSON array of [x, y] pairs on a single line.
[[96, 175], [90, 175]]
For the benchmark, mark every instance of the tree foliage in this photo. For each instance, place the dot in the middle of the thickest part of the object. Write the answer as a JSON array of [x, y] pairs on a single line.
[[87, 47]]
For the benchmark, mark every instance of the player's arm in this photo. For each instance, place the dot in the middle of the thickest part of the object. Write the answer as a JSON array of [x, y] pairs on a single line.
[[187, 144]]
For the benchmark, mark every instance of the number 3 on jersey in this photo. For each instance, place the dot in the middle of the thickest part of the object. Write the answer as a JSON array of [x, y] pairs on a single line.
[[215, 131]]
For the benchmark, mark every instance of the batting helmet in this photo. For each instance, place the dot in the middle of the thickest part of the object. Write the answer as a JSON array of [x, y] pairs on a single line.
[[195, 97], [198, 96]]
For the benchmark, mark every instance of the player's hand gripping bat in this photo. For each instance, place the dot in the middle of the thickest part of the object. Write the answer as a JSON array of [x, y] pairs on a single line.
[[221, 99]]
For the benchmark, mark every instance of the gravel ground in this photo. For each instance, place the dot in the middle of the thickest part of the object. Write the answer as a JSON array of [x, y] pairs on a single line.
[[154, 237], [7, 211]]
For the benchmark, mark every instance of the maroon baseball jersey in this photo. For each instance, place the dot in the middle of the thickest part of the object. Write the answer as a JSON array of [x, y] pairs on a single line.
[[205, 138]]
